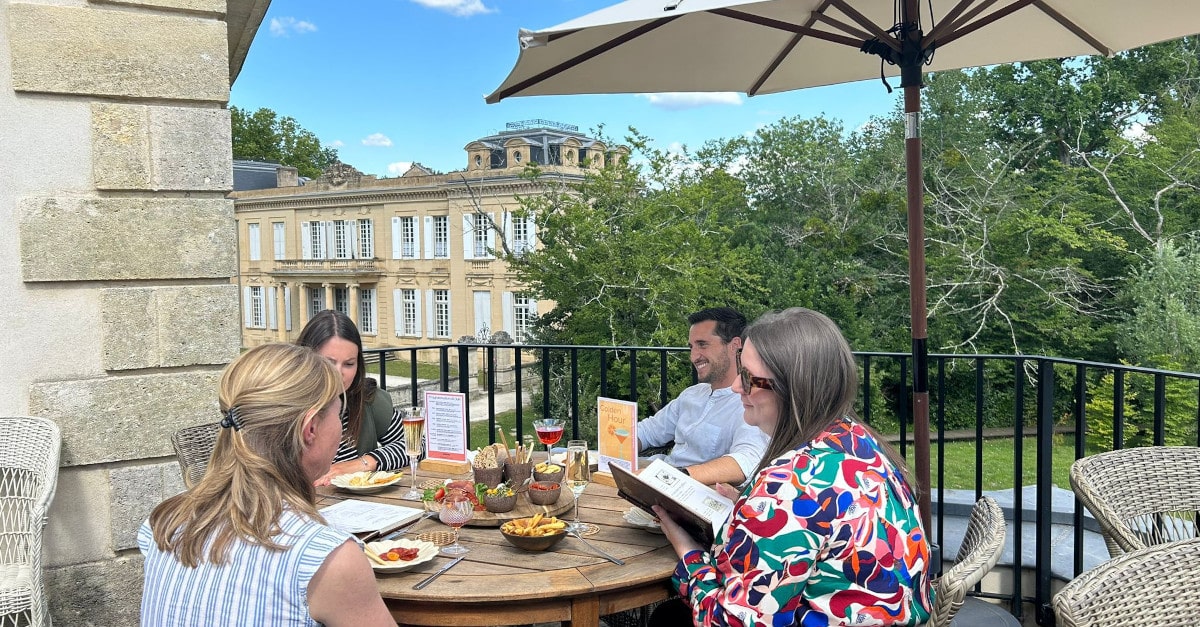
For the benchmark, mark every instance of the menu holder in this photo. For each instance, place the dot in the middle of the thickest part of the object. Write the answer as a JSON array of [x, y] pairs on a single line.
[[699, 509]]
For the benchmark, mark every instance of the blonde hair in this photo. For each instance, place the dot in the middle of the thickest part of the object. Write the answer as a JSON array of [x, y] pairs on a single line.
[[255, 470]]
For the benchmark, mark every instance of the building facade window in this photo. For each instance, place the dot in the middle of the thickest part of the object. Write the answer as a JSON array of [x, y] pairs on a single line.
[[341, 299], [441, 237], [410, 306], [279, 236], [312, 237], [366, 239], [254, 239], [524, 312], [479, 236], [316, 301], [366, 311], [256, 309], [343, 238], [408, 238], [441, 313], [522, 235]]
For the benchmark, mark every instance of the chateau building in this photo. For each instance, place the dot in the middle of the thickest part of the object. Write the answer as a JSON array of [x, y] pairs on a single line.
[[413, 260]]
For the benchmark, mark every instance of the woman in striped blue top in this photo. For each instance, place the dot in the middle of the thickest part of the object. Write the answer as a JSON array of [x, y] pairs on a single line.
[[246, 545], [372, 430]]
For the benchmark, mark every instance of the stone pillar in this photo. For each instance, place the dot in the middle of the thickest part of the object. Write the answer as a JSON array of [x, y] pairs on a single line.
[[281, 312], [354, 308], [329, 304], [116, 157]]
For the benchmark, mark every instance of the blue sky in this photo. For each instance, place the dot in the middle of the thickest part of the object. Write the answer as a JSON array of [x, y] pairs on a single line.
[[389, 82]]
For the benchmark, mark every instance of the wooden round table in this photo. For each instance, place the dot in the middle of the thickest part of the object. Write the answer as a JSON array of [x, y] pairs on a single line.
[[499, 584]]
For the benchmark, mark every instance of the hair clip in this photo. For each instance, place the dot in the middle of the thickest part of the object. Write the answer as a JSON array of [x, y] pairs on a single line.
[[232, 419]]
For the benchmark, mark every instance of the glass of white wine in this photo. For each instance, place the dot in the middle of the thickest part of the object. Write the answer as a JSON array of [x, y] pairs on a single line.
[[414, 436], [579, 474]]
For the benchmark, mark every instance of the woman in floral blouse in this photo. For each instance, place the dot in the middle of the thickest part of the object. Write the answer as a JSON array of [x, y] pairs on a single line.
[[828, 533]]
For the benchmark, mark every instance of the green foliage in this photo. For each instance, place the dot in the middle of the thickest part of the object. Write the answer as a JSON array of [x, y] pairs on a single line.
[[265, 136], [1137, 411]]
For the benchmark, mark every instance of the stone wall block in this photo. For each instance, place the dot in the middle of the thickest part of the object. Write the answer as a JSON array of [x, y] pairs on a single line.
[[168, 326], [135, 493], [198, 6], [97, 239], [96, 593], [124, 418], [101, 52], [120, 146], [189, 149]]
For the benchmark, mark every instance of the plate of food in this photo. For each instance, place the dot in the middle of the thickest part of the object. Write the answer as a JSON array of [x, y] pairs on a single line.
[[638, 518], [399, 555], [364, 482]]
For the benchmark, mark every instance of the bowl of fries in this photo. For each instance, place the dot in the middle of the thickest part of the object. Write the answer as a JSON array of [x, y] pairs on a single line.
[[534, 534], [364, 482]]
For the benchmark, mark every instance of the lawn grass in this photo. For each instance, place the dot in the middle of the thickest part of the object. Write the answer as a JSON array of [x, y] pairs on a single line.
[[402, 369], [960, 458]]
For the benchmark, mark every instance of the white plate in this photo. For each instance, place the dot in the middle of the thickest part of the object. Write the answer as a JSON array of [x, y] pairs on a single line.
[[425, 552], [635, 516], [343, 481]]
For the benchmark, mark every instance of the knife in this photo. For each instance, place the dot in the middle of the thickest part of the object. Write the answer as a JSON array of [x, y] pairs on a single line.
[[426, 581]]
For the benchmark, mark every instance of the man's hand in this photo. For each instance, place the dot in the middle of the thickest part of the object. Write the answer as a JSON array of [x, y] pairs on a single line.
[[723, 469]]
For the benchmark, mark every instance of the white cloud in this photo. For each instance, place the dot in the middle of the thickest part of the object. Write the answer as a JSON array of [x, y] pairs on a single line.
[[377, 139], [461, 8], [399, 167], [1137, 133], [337, 143], [284, 26], [690, 100]]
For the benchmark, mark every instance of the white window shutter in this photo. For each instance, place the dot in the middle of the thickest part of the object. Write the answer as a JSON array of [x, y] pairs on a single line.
[[287, 308], [429, 237], [328, 240], [449, 313], [429, 313], [396, 233], [491, 234], [417, 307], [397, 313], [416, 224], [247, 308], [530, 233], [271, 317], [507, 235], [306, 240], [468, 236], [506, 302]]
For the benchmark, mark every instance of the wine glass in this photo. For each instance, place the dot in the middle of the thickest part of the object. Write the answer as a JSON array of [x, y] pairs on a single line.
[[579, 473], [414, 436], [549, 431], [456, 510]]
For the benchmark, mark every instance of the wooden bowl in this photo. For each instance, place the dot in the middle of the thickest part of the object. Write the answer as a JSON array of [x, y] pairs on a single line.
[[544, 496], [555, 476], [500, 504], [534, 543]]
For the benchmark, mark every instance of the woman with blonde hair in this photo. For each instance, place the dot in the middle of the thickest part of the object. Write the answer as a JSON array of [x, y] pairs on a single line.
[[828, 532], [246, 545]]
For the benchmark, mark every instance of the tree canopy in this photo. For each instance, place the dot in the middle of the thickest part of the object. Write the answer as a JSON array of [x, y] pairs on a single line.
[[266, 136]]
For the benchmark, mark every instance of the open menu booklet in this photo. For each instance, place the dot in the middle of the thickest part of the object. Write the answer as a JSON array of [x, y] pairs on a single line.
[[699, 509], [354, 516]]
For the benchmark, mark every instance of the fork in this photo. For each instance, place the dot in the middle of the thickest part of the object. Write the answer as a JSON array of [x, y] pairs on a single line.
[[595, 548]]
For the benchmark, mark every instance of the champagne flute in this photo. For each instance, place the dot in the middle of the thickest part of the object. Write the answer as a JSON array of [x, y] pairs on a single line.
[[549, 431], [579, 473], [456, 510], [414, 435]]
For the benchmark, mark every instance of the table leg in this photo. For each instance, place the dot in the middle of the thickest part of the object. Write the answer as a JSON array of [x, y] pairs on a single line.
[[585, 612]]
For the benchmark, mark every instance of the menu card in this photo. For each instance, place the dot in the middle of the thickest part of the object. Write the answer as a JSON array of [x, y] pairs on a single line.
[[446, 426], [699, 509], [354, 516], [617, 433]]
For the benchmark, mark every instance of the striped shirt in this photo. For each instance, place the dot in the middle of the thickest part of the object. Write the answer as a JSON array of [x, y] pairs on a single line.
[[255, 585], [390, 454]]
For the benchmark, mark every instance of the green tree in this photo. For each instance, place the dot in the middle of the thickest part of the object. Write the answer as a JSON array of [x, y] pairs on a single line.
[[265, 136]]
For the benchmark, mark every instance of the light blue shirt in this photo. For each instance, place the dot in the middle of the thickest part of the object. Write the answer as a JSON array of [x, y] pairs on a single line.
[[704, 424]]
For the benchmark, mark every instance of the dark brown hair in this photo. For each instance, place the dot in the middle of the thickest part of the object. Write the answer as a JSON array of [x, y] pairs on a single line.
[[323, 327]]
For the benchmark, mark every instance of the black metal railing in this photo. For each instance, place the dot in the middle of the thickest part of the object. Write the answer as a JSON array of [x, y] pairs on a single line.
[[975, 398]]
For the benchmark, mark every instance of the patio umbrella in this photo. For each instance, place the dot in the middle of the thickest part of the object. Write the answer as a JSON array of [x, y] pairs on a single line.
[[769, 46]]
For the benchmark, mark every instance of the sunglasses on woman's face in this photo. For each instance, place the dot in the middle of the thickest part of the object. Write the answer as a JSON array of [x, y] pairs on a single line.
[[749, 381]]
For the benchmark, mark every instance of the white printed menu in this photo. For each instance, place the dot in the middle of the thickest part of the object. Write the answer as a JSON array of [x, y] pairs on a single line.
[[446, 426]]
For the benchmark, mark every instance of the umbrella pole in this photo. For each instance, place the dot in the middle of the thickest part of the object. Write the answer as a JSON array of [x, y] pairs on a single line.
[[910, 81]]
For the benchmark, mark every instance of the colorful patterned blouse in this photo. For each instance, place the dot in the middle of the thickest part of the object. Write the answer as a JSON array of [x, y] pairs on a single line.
[[827, 535]]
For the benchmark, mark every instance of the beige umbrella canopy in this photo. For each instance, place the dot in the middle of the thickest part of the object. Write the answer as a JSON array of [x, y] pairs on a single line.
[[763, 47]]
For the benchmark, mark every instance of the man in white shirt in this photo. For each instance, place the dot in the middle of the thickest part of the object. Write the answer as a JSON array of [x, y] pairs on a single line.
[[712, 442]]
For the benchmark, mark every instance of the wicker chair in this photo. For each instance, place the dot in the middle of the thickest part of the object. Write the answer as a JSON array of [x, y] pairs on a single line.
[[1141, 496], [978, 553], [1157, 586], [29, 450], [193, 447]]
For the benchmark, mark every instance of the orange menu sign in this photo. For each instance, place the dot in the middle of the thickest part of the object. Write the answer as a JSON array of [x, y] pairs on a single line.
[[616, 423]]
